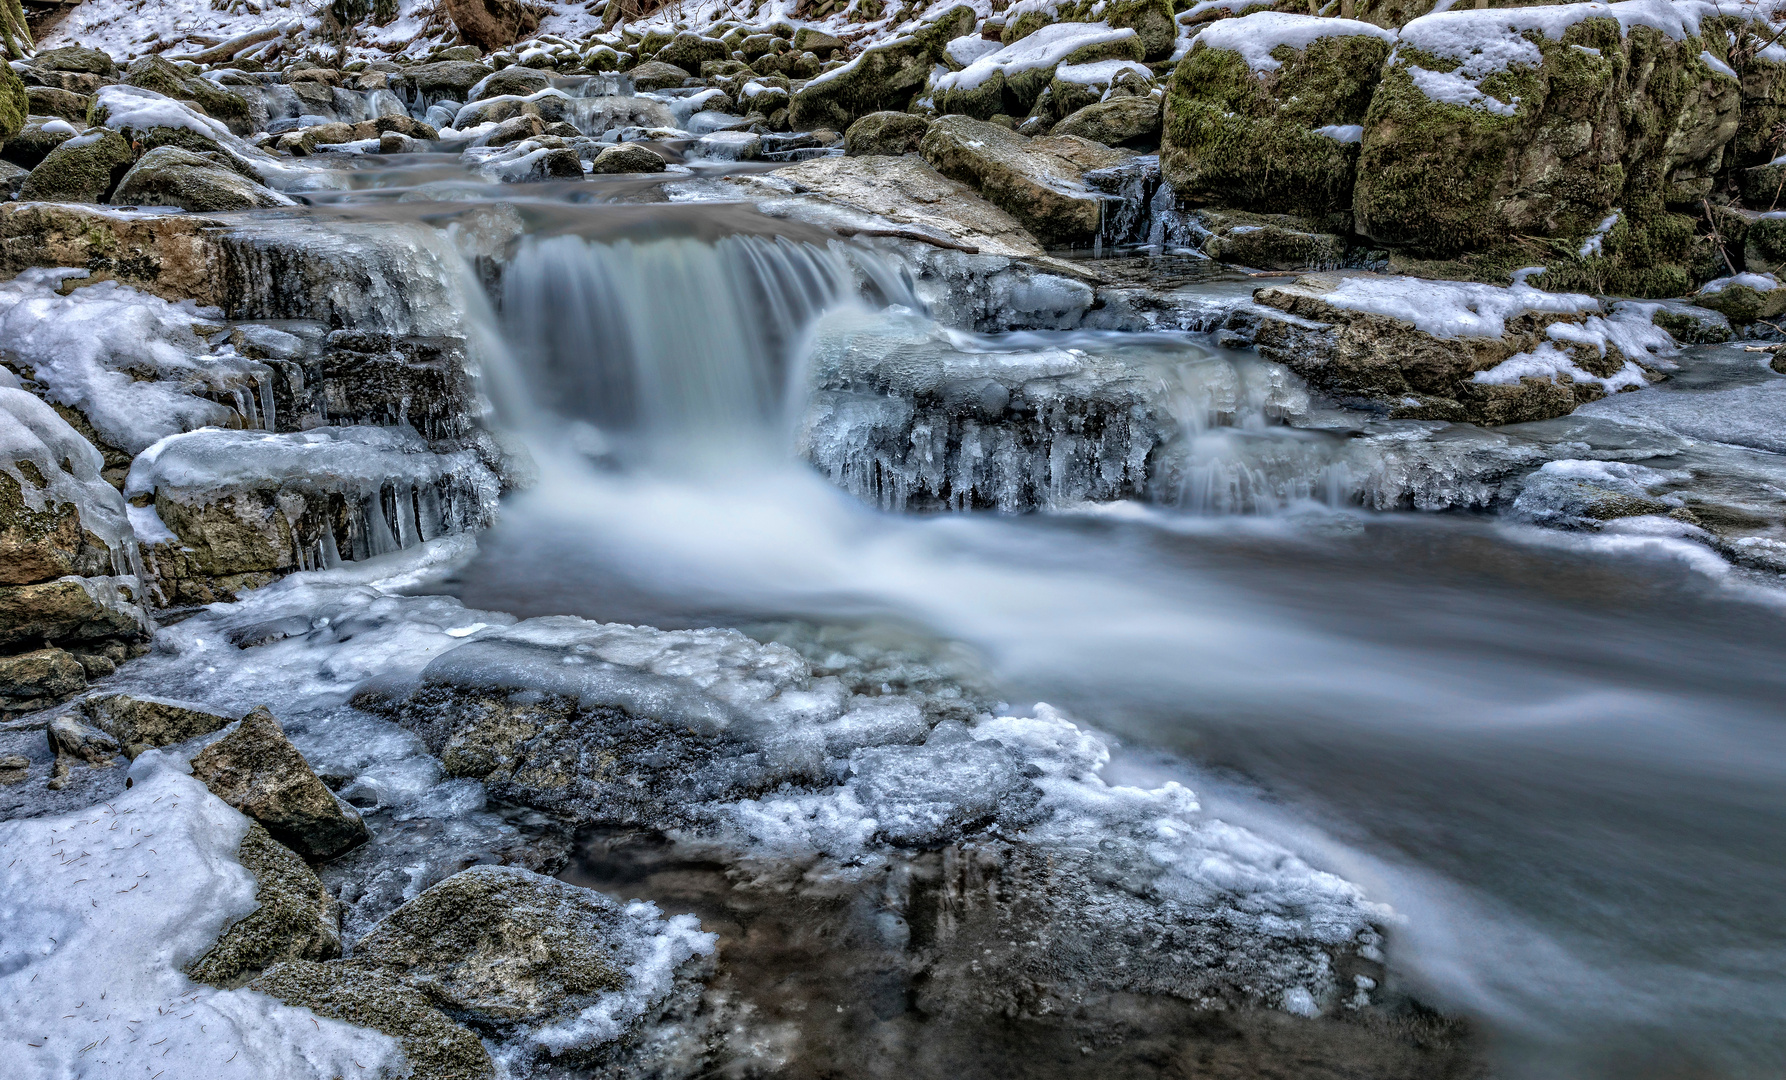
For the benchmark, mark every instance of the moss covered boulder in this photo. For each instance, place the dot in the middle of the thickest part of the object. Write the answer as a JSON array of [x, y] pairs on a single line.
[[1501, 128], [885, 134], [296, 918], [154, 73], [13, 104], [170, 176], [1040, 182], [1013, 80], [1744, 298], [887, 76], [1123, 121], [82, 169], [32, 143], [1265, 113], [76, 58]]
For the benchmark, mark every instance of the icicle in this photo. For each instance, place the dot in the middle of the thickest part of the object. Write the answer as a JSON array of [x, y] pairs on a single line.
[[266, 401], [331, 556]]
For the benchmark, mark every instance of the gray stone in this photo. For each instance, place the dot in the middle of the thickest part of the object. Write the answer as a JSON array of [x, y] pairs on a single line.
[[82, 169], [38, 679], [257, 770], [656, 75], [628, 158], [1117, 122], [1040, 182], [885, 134], [170, 176], [364, 995]]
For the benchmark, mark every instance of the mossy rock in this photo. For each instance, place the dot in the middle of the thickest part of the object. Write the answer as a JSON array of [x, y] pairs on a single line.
[[1152, 20], [154, 73], [1122, 121], [365, 995], [1270, 241], [76, 58], [1764, 243], [885, 77], [13, 104], [1743, 304], [296, 918], [170, 176], [891, 134], [1239, 138], [50, 101], [689, 51], [82, 169], [15, 34]]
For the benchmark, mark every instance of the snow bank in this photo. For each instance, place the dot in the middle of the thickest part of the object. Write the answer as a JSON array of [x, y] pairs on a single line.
[[99, 912], [1255, 36], [1045, 48], [1758, 282], [1452, 308], [133, 364]]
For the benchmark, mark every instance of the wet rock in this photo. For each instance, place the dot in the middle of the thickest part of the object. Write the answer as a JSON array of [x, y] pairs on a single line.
[[1118, 122], [12, 178], [1270, 241], [29, 145], [503, 943], [1583, 494], [628, 158], [75, 743], [1037, 181], [513, 130], [884, 77], [518, 81], [70, 609], [76, 58], [81, 169], [14, 768], [51, 101], [1744, 298], [1248, 129], [38, 679], [143, 723], [45, 541], [169, 176], [1487, 355], [364, 995], [296, 918], [389, 379], [256, 769], [885, 134], [444, 79], [174, 256], [656, 75], [906, 191]]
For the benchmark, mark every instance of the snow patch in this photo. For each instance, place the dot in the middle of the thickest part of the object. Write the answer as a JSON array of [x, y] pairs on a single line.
[[1256, 36]]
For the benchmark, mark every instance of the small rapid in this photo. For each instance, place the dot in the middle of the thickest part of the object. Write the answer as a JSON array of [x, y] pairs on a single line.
[[1557, 756]]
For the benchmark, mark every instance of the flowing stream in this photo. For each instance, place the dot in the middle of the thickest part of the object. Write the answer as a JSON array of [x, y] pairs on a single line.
[[1560, 757]]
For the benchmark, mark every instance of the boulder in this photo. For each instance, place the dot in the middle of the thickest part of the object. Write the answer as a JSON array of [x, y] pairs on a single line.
[[154, 73], [1118, 122], [70, 609], [295, 918], [49, 101], [1744, 298], [503, 943], [143, 723], [1037, 181], [516, 81], [1443, 350], [656, 75], [1012, 80], [1269, 241], [492, 24], [1261, 114], [73, 741], [885, 76], [14, 106], [366, 996], [82, 169], [445, 79], [76, 58], [12, 178], [30, 144], [906, 191], [202, 183], [174, 256], [885, 134], [628, 158], [689, 50], [1493, 128], [257, 770], [38, 679]]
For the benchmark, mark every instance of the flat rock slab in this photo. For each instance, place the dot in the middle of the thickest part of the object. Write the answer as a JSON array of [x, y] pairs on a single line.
[[910, 192], [1040, 182]]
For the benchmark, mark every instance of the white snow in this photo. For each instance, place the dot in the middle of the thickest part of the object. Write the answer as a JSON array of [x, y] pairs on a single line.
[[99, 912], [1452, 308], [131, 362], [131, 108], [1255, 36], [1717, 65], [1548, 361], [1099, 72], [1758, 282], [651, 949], [966, 49], [1450, 88], [1233, 6], [1345, 133], [1045, 48], [1592, 246]]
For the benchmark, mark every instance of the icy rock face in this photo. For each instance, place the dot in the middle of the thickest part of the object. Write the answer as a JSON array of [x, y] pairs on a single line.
[[1456, 350], [70, 594], [238, 508], [903, 418]]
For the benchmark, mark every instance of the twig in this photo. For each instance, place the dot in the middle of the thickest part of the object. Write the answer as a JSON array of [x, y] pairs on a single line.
[[1716, 238]]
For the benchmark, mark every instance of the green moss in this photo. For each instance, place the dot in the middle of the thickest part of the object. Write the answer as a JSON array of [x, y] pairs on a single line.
[[13, 107], [886, 77], [1239, 139], [363, 994], [73, 173], [15, 35]]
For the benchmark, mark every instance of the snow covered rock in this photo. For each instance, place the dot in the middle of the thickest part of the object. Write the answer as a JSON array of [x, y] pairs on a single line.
[[1012, 79], [82, 169], [256, 769], [1040, 182], [365, 996], [885, 76], [1577, 122], [1744, 298], [294, 917], [155, 74], [1456, 350], [1251, 113], [1584, 494]]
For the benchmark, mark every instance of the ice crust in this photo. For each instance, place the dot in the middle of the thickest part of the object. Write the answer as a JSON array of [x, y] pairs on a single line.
[[100, 910], [1255, 36], [133, 364], [31, 431]]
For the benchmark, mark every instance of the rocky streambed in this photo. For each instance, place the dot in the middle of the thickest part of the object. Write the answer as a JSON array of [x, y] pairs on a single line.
[[326, 377]]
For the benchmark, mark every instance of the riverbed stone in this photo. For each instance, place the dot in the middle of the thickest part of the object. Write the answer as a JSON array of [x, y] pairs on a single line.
[[76, 58], [1744, 302], [907, 191], [142, 723], [1121, 121], [628, 158], [170, 176], [517, 81], [52, 101], [30, 144], [657, 75], [257, 770], [367, 996], [295, 918], [504, 943], [69, 609], [38, 679], [689, 50], [82, 169], [175, 256], [154, 73], [1270, 241], [1037, 181], [885, 134]]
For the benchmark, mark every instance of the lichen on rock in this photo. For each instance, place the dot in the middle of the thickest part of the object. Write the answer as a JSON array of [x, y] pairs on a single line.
[[296, 918]]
